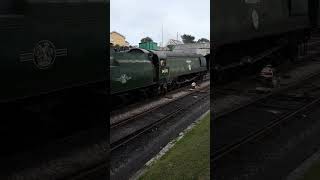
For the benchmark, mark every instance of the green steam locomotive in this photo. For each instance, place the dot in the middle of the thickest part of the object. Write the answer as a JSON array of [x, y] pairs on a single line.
[[154, 71]]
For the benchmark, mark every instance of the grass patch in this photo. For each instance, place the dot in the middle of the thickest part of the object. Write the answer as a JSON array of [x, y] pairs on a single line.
[[313, 173], [188, 159]]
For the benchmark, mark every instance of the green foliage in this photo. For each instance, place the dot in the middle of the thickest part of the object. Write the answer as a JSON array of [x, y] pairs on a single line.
[[170, 47], [146, 39], [186, 38], [203, 40]]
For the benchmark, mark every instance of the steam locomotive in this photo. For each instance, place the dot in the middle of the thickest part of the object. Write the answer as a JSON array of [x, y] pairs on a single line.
[[154, 71]]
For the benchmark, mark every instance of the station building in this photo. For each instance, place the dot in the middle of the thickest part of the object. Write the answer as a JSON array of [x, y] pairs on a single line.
[[199, 48], [118, 39]]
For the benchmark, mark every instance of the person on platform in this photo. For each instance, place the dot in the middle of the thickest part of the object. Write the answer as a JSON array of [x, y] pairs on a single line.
[[268, 75]]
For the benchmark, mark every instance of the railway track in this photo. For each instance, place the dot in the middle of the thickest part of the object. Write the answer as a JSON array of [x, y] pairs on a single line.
[[99, 171], [241, 89], [142, 98], [80, 156], [239, 127], [133, 127], [150, 107]]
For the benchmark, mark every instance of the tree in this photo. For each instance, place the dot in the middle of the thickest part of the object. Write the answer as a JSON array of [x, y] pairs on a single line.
[[186, 38], [170, 46], [203, 40], [146, 39]]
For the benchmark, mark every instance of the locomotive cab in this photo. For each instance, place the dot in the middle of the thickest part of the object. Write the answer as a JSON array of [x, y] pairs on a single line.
[[152, 57], [208, 61], [203, 62], [156, 63], [163, 68]]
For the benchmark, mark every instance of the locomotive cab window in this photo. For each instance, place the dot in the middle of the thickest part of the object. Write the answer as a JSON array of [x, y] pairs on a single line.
[[203, 61], [162, 62]]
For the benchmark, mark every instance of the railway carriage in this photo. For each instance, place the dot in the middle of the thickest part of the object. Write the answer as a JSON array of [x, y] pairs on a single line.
[[183, 67], [49, 46], [253, 29]]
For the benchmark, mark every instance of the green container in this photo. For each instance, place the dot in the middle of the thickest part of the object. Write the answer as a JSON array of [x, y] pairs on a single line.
[[148, 46]]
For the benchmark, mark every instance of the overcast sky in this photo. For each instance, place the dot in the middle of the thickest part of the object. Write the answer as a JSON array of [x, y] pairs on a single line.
[[136, 19]]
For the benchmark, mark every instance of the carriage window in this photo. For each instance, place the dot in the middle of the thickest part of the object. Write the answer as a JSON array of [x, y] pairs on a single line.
[[289, 7], [11, 7], [111, 60], [136, 51], [298, 7]]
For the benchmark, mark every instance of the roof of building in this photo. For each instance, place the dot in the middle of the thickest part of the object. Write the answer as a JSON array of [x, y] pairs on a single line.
[[118, 33], [193, 46], [174, 42]]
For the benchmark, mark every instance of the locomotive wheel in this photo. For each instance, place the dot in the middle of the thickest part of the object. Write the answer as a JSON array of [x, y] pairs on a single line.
[[145, 93], [151, 92], [156, 91], [174, 85]]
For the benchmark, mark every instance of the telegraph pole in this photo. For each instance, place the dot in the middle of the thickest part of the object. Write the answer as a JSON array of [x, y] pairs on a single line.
[[162, 35]]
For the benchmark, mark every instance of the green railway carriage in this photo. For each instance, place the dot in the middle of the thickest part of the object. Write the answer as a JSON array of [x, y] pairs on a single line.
[[49, 46], [252, 29], [247, 19], [183, 65]]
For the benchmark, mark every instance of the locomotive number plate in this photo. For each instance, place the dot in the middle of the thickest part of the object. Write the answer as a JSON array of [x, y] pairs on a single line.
[[165, 71]]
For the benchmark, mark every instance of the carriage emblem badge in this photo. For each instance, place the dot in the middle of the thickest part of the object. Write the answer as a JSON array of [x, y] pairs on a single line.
[[123, 79], [44, 54]]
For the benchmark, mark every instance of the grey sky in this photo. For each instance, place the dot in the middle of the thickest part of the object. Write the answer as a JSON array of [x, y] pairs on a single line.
[[136, 19]]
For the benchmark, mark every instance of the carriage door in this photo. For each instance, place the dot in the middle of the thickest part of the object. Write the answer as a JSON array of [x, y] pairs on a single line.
[[12, 38]]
